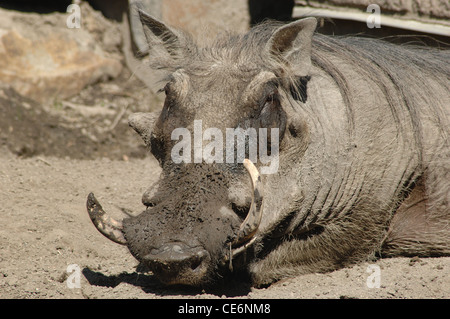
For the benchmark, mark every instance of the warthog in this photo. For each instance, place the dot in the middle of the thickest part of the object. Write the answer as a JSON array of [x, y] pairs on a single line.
[[363, 156]]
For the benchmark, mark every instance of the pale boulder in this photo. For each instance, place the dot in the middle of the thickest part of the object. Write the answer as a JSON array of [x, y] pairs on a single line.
[[43, 59]]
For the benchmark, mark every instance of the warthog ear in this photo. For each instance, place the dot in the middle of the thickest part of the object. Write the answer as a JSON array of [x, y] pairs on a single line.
[[160, 38], [143, 124], [291, 44]]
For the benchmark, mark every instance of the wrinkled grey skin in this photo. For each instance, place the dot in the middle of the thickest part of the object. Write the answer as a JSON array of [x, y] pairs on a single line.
[[364, 153]]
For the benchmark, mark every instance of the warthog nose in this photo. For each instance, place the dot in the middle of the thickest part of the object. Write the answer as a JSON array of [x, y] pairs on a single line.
[[177, 263]]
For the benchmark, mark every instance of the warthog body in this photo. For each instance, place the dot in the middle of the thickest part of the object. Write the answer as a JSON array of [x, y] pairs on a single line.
[[363, 159]]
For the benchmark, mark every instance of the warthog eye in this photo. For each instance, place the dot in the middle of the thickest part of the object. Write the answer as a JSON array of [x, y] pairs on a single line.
[[273, 98], [271, 102], [270, 114], [167, 88]]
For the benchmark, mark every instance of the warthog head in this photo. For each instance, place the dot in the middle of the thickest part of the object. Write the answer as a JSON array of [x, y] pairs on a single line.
[[206, 207]]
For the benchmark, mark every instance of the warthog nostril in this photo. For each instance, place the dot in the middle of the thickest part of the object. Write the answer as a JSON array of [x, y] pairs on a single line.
[[177, 263], [196, 264], [197, 260]]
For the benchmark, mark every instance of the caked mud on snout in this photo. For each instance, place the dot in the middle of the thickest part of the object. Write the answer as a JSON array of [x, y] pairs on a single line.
[[184, 240]]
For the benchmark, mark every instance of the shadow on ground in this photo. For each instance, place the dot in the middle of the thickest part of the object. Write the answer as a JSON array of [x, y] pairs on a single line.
[[238, 285]]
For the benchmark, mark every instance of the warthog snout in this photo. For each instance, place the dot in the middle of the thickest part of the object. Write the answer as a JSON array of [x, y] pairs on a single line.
[[175, 238], [177, 263]]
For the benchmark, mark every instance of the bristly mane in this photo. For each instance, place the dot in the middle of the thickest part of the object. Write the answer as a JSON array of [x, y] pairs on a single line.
[[401, 64], [379, 60], [241, 52]]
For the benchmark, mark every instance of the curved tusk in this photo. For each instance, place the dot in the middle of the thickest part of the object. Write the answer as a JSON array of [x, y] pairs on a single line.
[[109, 227], [251, 223]]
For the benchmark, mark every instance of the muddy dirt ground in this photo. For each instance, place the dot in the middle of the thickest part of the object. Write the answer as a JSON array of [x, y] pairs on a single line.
[[52, 156]]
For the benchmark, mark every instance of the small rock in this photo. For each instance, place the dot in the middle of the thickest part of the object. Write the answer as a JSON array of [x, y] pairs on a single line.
[[414, 260]]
